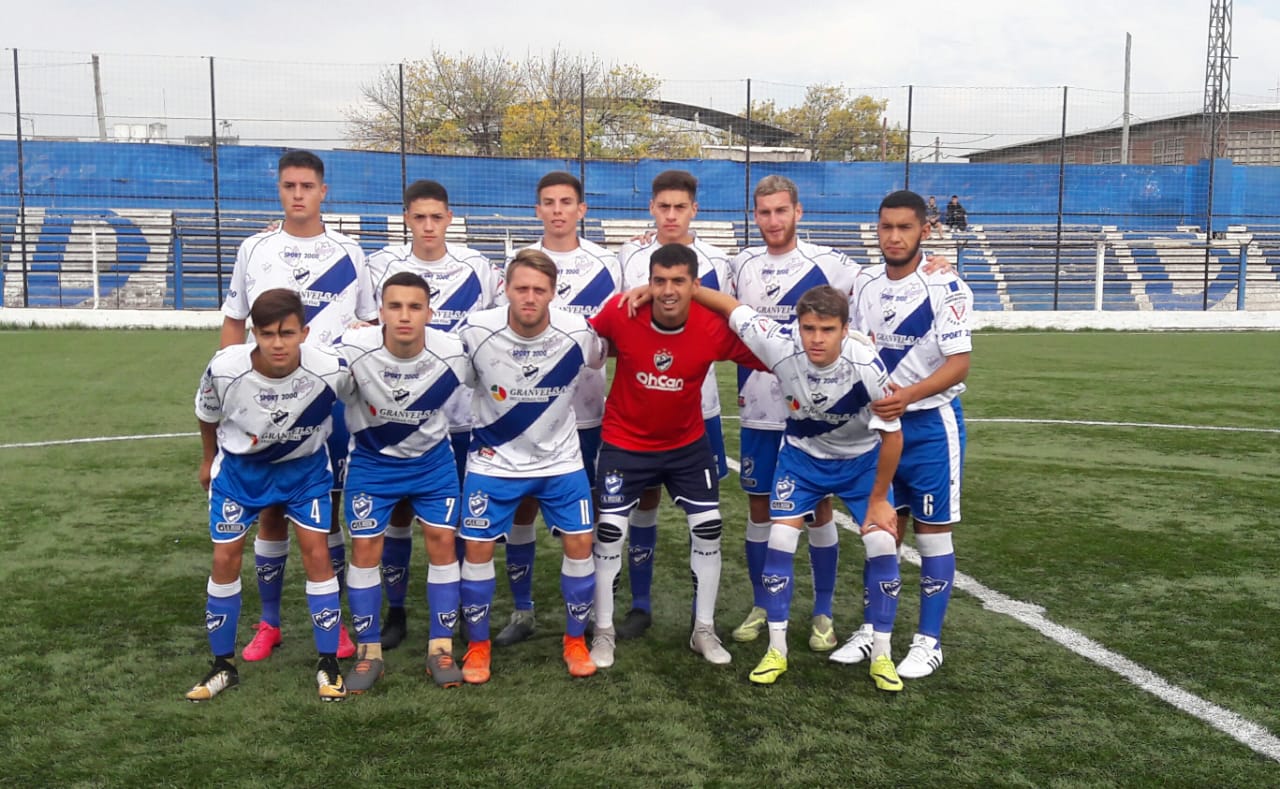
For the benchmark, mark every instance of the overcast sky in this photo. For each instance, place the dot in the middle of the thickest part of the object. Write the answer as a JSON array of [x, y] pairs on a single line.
[[981, 43]]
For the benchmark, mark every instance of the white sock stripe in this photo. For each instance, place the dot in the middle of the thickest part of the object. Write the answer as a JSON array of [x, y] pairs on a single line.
[[643, 518], [335, 539], [522, 534], [577, 568], [323, 587], [400, 532], [784, 538], [934, 544], [363, 577], [270, 549], [444, 573], [879, 543], [477, 572], [824, 536], [223, 590]]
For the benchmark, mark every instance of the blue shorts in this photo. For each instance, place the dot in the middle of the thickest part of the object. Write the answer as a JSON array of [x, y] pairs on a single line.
[[715, 435], [932, 466], [242, 488], [337, 443], [376, 483], [589, 443], [803, 480], [758, 455], [688, 474], [489, 504]]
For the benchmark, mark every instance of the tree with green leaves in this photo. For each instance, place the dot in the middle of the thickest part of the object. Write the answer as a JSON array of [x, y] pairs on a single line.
[[837, 126]]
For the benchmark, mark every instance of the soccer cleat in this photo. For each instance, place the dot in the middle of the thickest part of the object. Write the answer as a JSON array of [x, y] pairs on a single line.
[[705, 642], [222, 675], [603, 643], [259, 647], [922, 659], [520, 628], [366, 672], [770, 667], [475, 663], [395, 627], [329, 680], [346, 647], [856, 649], [577, 658], [752, 626], [822, 638], [442, 668], [885, 675], [634, 624]]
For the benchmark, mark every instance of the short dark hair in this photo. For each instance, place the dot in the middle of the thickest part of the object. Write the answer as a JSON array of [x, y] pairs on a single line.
[[407, 279], [677, 180], [425, 190], [825, 302], [305, 159], [538, 261], [904, 198], [674, 255], [559, 178], [273, 306]]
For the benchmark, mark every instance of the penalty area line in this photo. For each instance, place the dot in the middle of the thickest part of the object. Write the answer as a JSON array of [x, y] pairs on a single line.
[[95, 440], [1246, 732]]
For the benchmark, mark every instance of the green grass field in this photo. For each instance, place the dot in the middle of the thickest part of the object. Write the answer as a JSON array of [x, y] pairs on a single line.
[[1159, 544]]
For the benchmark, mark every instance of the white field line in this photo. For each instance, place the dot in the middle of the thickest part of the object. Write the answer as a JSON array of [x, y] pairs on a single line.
[[1250, 734], [1010, 420], [95, 440]]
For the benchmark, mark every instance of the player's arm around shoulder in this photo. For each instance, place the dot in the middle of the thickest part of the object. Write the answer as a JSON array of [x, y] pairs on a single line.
[[208, 409]]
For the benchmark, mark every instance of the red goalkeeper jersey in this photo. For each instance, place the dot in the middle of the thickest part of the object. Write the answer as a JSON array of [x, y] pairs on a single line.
[[654, 403]]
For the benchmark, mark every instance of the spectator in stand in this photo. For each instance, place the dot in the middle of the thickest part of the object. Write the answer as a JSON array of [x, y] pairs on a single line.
[[957, 217], [933, 218]]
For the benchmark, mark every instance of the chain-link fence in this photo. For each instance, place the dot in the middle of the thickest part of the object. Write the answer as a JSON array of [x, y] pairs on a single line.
[[128, 180]]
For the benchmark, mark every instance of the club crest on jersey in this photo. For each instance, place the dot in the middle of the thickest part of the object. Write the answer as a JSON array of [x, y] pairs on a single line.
[[447, 619], [279, 417], [478, 503], [517, 572], [362, 623], [889, 312], [269, 573], [640, 555], [612, 483], [564, 289], [662, 360], [400, 395], [774, 584], [475, 613], [392, 575], [817, 398], [579, 611], [362, 505], [784, 488], [891, 588], [932, 586], [231, 510], [772, 290], [213, 621], [326, 619], [529, 370], [300, 274]]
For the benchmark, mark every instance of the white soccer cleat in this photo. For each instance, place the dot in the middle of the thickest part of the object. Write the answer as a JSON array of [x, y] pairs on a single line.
[[603, 644], [856, 649], [922, 659], [705, 642]]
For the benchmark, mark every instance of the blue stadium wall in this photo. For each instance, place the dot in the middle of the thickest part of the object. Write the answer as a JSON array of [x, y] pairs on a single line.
[[78, 176]]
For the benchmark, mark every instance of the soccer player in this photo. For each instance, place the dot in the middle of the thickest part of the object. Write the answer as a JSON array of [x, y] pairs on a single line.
[[673, 205], [328, 271], [587, 276], [405, 373], [527, 359], [920, 323], [265, 413], [834, 444], [654, 435], [771, 279], [461, 280]]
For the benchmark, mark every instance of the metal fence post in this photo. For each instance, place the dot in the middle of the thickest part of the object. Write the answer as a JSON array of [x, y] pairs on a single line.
[[906, 173], [1241, 275], [1062, 180], [746, 175], [404, 165], [22, 184], [217, 202], [1098, 274]]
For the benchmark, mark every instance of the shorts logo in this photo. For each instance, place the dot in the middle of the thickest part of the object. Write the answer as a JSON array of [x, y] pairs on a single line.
[[363, 524], [579, 611], [448, 619], [498, 393], [612, 483], [529, 370], [775, 584], [327, 619], [890, 588], [362, 623], [932, 586], [475, 613], [213, 621], [231, 510], [230, 528], [517, 572], [662, 360], [269, 573], [279, 417], [362, 505], [392, 575], [639, 556], [478, 503], [784, 488], [748, 466]]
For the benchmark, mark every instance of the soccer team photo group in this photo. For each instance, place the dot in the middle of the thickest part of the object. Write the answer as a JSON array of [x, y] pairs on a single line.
[[427, 393]]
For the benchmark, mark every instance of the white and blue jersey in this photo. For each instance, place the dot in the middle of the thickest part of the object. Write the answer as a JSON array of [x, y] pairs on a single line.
[[460, 283], [586, 278], [524, 422], [328, 271], [771, 285], [713, 272], [829, 413]]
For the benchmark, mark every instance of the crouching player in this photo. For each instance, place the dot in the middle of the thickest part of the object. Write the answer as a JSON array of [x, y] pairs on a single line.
[[832, 444], [404, 373], [264, 412]]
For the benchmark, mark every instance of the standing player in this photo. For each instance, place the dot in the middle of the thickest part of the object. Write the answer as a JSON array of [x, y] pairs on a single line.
[[264, 412], [771, 279], [327, 269], [404, 373], [830, 380], [587, 276], [673, 205], [461, 280], [654, 435], [527, 359], [920, 323]]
